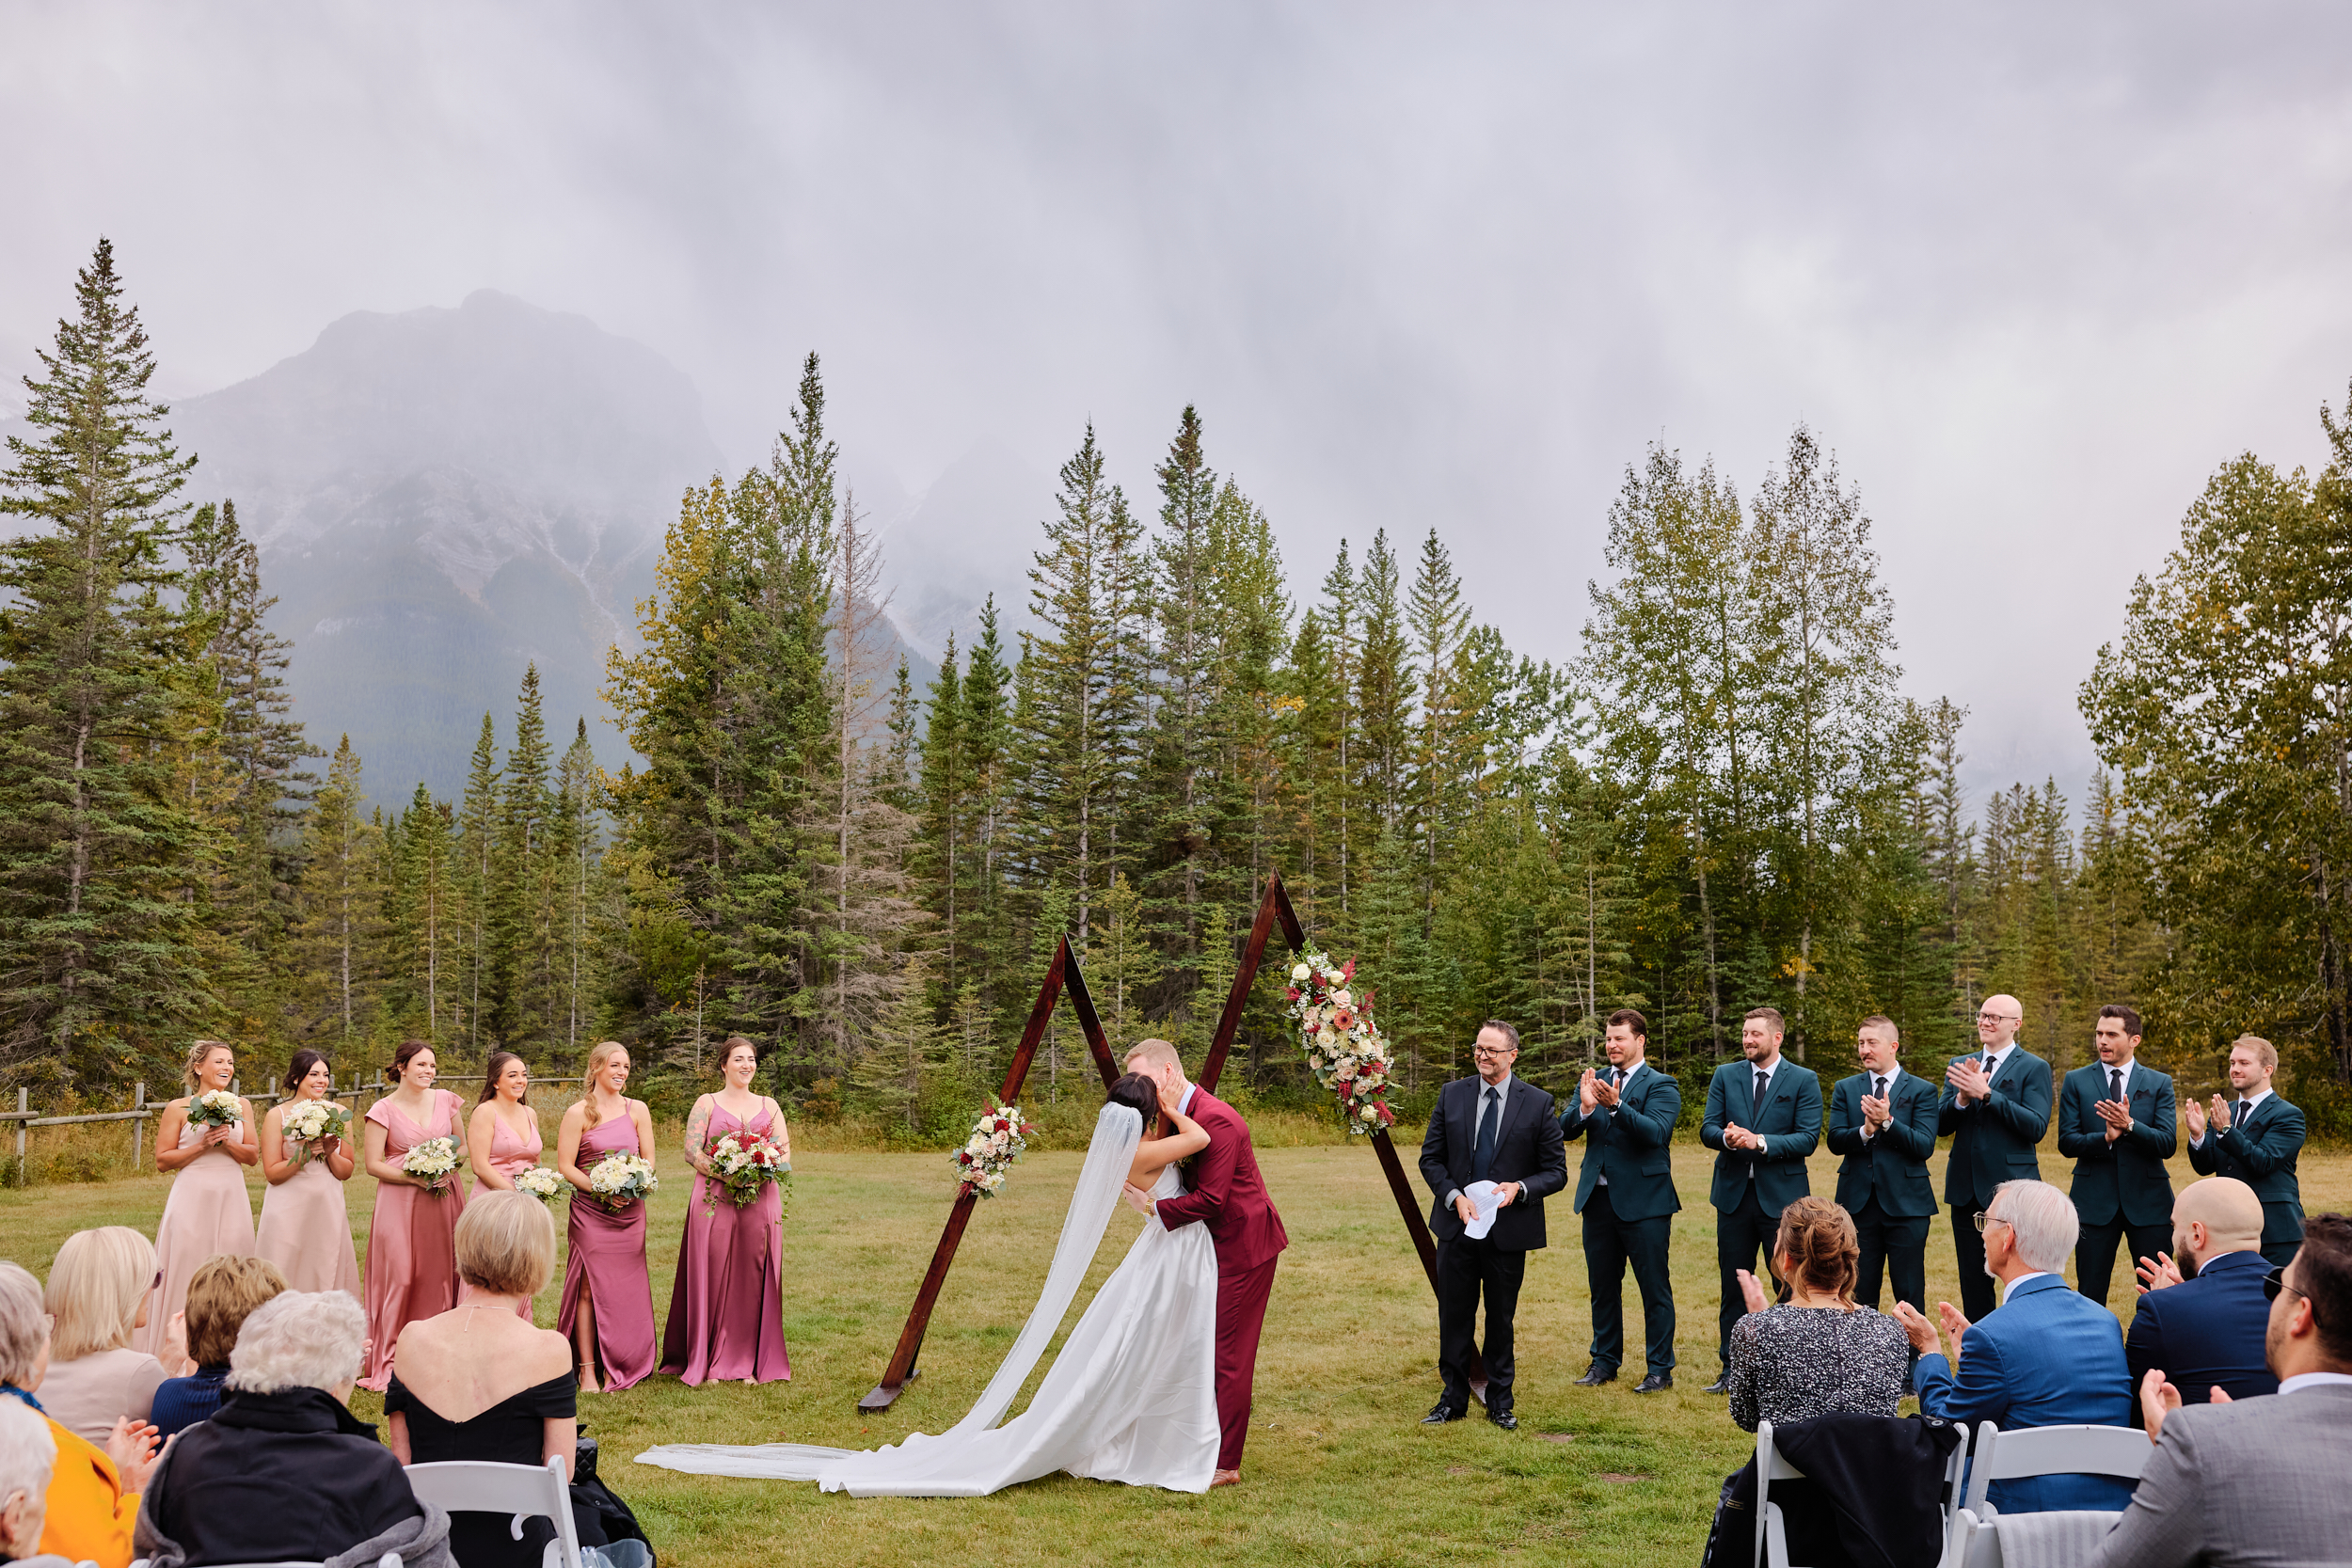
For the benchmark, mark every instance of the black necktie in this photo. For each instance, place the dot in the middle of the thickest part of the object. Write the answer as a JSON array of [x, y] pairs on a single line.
[[1878, 1086], [1989, 1060], [1483, 1157], [2115, 1083], [2237, 1118], [1763, 1086]]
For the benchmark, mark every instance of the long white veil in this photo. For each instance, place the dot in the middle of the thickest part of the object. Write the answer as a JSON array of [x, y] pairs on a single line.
[[1109, 1156]]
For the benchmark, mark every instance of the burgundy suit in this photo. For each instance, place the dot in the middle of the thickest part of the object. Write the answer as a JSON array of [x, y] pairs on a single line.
[[1224, 1192]]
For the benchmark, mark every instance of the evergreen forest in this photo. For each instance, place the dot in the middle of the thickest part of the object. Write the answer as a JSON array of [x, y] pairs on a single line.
[[1729, 798]]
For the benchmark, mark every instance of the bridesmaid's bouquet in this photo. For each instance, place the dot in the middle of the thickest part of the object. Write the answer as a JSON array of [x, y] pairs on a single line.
[[622, 1178], [432, 1163], [740, 1164], [310, 1121], [541, 1184], [214, 1108]]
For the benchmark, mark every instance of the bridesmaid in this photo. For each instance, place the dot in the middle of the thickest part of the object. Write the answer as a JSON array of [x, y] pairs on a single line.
[[726, 1308], [305, 1227], [503, 1134], [607, 1300], [412, 1247], [209, 1211]]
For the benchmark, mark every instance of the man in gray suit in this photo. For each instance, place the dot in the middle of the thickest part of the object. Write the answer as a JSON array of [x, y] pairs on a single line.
[[2259, 1480]]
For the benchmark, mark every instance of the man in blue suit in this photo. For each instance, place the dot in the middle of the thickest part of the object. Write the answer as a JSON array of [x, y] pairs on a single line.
[[2256, 1138], [2115, 1122], [2049, 1357], [2204, 1315], [1882, 1120], [1626, 1192], [1995, 1108], [1763, 1118]]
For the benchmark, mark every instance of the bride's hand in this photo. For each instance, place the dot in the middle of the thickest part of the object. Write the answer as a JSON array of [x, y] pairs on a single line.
[[1170, 1101]]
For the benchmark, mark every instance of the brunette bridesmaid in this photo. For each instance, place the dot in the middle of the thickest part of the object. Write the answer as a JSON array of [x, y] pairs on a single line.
[[306, 1228], [726, 1308], [209, 1211], [412, 1246], [503, 1134], [608, 1301]]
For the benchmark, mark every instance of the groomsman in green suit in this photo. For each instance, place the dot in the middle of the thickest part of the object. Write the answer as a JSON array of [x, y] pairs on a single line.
[[1626, 1190], [2256, 1139], [1763, 1118], [1995, 1109], [2115, 1122], [1882, 1120]]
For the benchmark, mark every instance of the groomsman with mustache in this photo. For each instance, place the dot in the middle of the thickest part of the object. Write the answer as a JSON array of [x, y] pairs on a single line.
[[1882, 1120]]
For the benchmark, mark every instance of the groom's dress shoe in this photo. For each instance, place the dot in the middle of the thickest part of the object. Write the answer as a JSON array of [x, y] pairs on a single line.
[[1505, 1419], [1594, 1375], [1655, 1382], [1226, 1477], [1722, 1384], [1441, 1415]]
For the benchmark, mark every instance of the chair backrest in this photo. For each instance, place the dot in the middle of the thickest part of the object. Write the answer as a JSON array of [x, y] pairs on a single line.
[[1771, 1465], [1975, 1543], [524, 1491], [2091, 1451]]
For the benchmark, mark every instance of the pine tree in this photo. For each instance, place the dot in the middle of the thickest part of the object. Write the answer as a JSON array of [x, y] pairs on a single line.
[[1183, 558], [477, 885], [579, 860], [341, 896], [526, 899]]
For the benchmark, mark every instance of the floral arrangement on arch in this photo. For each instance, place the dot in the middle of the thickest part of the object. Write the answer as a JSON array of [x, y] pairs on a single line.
[[1343, 1045], [998, 1138]]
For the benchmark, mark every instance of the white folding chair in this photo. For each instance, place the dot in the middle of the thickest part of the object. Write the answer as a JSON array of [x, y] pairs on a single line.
[[2067, 1535], [1975, 1543], [525, 1491], [1771, 1531], [2120, 1451]]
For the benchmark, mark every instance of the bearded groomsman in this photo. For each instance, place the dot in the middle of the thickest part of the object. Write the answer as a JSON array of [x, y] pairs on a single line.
[[1995, 1108], [2115, 1122], [2255, 1138], [1882, 1120], [1624, 1190], [1763, 1118]]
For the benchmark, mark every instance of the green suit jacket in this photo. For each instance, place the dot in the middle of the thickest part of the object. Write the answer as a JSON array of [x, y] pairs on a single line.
[[2262, 1155], [2125, 1176], [1892, 1163], [1992, 1140], [1629, 1145], [1790, 1121]]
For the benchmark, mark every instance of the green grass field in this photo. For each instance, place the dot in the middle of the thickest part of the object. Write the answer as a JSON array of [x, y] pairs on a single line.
[[1338, 1471]]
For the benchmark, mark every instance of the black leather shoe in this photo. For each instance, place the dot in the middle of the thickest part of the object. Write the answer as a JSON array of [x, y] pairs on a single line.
[[1722, 1384], [1654, 1383], [1441, 1415], [1594, 1375], [1505, 1419]]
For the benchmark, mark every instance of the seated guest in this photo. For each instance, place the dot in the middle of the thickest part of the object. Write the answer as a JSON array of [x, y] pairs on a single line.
[[282, 1471], [2203, 1319], [2238, 1483], [222, 1293], [480, 1383], [27, 1454], [1818, 1353], [98, 1292], [2051, 1356], [93, 1495]]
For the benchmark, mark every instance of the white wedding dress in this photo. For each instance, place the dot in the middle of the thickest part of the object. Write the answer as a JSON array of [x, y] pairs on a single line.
[[1131, 1397]]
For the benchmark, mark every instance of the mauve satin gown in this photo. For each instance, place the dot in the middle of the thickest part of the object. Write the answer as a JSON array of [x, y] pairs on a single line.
[[412, 1241], [510, 1156], [726, 1308], [208, 1212], [608, 1261]]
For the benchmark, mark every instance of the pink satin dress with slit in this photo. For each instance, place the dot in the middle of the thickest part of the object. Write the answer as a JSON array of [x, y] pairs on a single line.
[[608, 1264], [412, 1241], [726, 1308]]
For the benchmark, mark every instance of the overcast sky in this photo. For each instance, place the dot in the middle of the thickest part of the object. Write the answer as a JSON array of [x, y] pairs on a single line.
[[2032, 272]]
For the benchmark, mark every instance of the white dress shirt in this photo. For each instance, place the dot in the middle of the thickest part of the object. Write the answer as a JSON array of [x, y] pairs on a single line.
[[2252, 1101], [1625, 1082], [1869, 1128], [2314, 1380], [1755, 1105], [2011, 1288], [1502, 1109]]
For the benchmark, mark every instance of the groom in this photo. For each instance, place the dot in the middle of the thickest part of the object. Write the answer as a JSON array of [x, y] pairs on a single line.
[[1224, 1192]]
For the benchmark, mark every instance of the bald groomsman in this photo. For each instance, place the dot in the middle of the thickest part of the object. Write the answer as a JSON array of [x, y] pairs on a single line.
[[2255, 1138], [1882, 1120], [2115, 1122], [1995, 1108]]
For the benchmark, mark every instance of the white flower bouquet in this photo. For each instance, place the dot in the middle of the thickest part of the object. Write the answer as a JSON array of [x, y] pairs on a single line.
[[214, 1108], [309, 1122], [541, 1184], [622, 1178], [432, 1163], [741, 1163], [997, 1140], [1343, 1046]]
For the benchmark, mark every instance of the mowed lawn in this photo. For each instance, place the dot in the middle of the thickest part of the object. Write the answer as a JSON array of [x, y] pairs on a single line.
[[1338, 1471]]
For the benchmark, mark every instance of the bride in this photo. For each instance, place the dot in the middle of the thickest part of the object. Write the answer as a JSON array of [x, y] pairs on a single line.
[[1131, 1397]]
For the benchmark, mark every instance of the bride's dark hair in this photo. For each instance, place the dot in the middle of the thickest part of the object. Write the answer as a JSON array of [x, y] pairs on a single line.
[[1140, 1095]]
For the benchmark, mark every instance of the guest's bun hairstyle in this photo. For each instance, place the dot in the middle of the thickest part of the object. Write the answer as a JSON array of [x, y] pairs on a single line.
[[28, 1455], [24, 1325], [198, 1053], [407, 1053], [506, 1243], [1140, 1093], [2323, 1272], [300, 1069], [599, 1053], [494, 1069], [300, 1340], [222, 1293], [1816, 1240]]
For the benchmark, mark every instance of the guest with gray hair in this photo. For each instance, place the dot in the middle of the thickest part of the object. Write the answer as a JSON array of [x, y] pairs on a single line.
[[27, 1455], [284, 1470], [2050, 1356], [92, 1499]]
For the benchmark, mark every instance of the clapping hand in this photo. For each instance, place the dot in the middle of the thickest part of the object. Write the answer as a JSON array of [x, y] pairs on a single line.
[[2194, 1114], [1750, 1292], [132, 1447], [1736, 1136], [2116, 1115], [1587, 1092], [1605, 1093], [1876, 1111], [1967, 1075], [1915, 1325], [1955, 1323], [2158, 1398], [2157, 1272], [2220, 1112]]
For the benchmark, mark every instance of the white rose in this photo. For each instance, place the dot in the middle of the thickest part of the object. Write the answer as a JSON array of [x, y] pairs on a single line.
[[1300, 972], [976, 1146], [1324, 1036]]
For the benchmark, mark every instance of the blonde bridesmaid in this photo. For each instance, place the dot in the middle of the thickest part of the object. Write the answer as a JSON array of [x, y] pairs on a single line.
[[306, 1226], [209, 1212], [412, 1245], [607, 1311], [503, 1133]]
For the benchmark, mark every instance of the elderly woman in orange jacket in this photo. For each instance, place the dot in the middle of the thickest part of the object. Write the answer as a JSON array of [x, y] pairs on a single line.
[[93, 1494]]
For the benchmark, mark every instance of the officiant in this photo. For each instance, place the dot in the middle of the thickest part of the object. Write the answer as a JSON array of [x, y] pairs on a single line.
[[1493, 1154]]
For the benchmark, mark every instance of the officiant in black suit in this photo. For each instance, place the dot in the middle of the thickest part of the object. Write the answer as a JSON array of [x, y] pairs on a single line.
[[1490, 1128]]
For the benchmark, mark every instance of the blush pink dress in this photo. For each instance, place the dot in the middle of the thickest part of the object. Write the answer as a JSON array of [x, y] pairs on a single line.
[[608, 1264], [209, 1213], [306, 1229], [726, 1308], [510, 1156], [412, 1242]]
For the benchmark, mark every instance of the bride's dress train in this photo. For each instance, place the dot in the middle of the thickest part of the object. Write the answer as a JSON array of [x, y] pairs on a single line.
[[1131, 1397]]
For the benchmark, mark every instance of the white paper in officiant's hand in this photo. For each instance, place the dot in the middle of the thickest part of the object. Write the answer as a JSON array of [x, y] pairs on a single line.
[[1486, 1202]]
